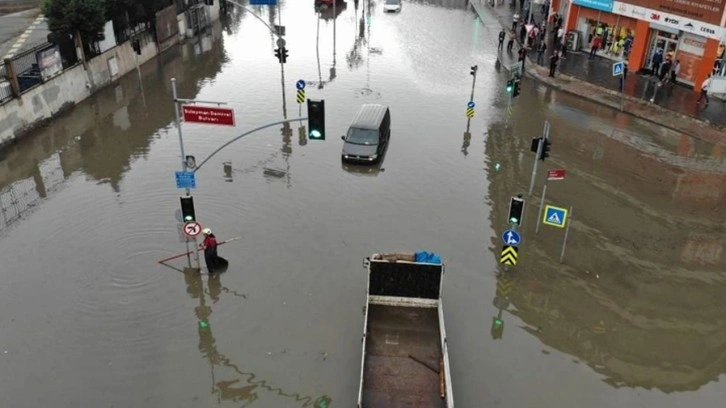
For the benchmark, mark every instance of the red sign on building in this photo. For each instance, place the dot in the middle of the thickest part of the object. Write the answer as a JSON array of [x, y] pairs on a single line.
[[556, 174], [208, 115]]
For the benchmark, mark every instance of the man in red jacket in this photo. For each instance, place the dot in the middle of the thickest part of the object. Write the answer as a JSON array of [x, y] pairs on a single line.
[[209, 245]]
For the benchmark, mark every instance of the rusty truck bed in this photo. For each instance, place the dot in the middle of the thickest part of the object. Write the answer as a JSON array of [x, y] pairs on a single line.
[[403, 351]]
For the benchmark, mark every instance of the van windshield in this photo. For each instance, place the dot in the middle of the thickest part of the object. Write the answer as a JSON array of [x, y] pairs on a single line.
[[362, 136]]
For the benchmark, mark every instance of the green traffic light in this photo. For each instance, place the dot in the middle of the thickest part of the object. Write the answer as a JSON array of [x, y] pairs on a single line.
[[315, 134], [188, 218], [513, 220], [203, 324], [497, 166], [498, 322]]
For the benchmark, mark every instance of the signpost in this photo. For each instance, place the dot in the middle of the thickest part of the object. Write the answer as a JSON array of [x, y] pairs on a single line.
[[555, 216], [185, 179], [552, 175], [619, 72], [300, 85], [509, 255], [470, 109], [208, 115], [511, 238], [192, 229]]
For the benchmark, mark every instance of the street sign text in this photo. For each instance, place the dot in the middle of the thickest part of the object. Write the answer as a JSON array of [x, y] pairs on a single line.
[[208, 115]]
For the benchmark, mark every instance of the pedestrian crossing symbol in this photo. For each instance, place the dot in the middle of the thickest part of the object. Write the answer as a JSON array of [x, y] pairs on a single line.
[[509, 255], [555, 216]]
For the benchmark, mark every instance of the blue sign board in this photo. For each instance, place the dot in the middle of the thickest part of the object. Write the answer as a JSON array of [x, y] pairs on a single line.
[[511, 238], [555, 216], [300, 84], [602, 5], [185, 179], [618, 68], [263, 2], [471, 104]]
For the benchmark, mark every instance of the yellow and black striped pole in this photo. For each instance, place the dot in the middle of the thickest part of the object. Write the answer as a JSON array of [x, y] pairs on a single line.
[[300, 96]]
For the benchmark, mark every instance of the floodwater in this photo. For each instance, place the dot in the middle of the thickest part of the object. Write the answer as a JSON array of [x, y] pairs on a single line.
[[633, 317]]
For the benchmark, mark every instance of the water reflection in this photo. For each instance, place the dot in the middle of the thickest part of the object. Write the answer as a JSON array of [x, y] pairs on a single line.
[[104, 134], [638, 299], [229, 382]]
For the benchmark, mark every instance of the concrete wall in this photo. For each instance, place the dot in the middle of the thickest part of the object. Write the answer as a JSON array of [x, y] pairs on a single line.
[[20, 115]]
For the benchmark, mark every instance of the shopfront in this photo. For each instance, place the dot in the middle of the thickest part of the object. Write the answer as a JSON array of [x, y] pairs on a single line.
[[686, 30], [595, 18]]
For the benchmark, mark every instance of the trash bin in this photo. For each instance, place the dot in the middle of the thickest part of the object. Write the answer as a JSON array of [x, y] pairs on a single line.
[[573, 40]]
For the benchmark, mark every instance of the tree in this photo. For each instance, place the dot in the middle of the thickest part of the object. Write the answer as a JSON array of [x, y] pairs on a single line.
[[84, 19], [70, 16]]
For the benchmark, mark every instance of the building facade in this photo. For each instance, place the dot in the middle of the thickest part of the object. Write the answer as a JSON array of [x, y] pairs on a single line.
[[691, 31]]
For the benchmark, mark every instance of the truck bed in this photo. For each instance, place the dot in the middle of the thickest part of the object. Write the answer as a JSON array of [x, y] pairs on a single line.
[[402, 351]]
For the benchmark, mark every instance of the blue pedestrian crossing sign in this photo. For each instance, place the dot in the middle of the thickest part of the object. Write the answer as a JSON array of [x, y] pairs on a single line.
[[300, 84], [185, 179], [555, 216], [618, 68], [511, 238]]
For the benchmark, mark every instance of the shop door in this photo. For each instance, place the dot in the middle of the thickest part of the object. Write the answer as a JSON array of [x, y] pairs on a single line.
[[665, 42]]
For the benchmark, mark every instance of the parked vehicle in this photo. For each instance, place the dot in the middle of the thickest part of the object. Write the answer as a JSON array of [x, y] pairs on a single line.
[[392, 6], [405, 360], [368, 135]]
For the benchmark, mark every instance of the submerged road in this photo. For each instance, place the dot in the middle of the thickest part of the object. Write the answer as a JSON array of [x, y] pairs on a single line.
[[633, 317]]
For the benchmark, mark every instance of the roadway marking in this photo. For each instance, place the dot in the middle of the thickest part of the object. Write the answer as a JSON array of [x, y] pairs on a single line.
[[24, 36]]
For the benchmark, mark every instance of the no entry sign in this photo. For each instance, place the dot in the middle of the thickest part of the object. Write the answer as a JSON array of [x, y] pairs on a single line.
[[208, 115]]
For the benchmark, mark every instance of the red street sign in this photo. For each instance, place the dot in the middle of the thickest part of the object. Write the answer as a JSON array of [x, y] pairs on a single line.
[[208, 115], [556, 174]]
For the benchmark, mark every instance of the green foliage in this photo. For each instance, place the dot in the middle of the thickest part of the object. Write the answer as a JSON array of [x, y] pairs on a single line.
[[69, 16]]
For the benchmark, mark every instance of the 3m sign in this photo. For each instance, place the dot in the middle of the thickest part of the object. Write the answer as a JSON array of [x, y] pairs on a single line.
[[208, 115]]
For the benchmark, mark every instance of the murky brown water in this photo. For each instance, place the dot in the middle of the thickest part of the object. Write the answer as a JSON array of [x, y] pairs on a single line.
[[632, 318]]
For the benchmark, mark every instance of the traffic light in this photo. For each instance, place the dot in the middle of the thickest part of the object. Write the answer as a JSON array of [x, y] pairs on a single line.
[[516, 210], [515, 89], [316, 119], [510, 86], [283, 55], [474, 69], [278, 54], [545, 153], [497, 328], [187, 208], [535, 144]]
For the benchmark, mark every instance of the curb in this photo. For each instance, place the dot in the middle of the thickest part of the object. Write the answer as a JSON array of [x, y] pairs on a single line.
[[656, 109]]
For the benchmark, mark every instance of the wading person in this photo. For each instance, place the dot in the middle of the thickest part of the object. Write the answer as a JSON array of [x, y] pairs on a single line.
[[214, 262]]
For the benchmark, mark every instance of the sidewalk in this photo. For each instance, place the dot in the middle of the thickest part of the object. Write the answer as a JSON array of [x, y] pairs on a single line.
[[21, 31], [592, 79]]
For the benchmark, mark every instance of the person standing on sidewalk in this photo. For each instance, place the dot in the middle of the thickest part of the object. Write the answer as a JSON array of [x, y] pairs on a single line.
[[704, 90], [510, 44], [502, 34], [541, 48], [595, 46], [554, 59], [515, 20]]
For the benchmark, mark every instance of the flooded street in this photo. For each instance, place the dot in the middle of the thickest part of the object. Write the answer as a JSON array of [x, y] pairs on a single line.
[[634, 317]]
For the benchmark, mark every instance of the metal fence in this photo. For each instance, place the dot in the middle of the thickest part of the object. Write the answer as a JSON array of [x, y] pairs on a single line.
[[6, 91]]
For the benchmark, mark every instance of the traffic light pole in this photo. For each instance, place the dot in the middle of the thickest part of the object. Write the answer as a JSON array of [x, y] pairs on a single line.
[[177, 101], [540, 146], [184, 168], [475, 69], [199, 166], [541, 205]]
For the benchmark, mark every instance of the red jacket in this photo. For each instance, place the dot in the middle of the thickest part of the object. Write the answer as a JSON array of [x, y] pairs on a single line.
[[210, 241]]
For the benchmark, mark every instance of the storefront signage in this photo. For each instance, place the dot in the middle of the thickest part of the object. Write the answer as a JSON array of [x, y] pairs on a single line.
[[707, 11], [603, 5], [668, 20]]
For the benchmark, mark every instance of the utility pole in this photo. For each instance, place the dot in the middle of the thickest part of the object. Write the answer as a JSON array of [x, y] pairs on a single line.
[[473, 72]]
